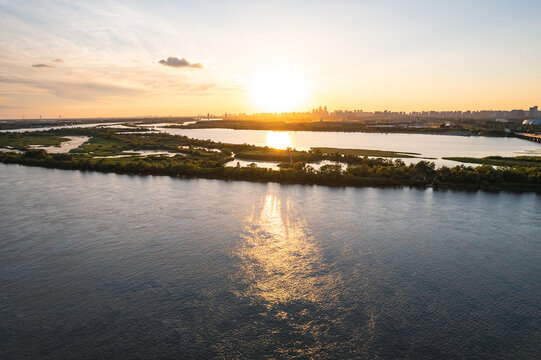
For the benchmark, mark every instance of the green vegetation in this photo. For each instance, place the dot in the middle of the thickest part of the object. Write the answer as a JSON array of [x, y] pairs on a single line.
[[364, 152], [270, 154], [33, 123], [371, 172], [112, 142], [488, 177], [99, 146], [500, 161], [200, 162], [21, 141], [348, 156]]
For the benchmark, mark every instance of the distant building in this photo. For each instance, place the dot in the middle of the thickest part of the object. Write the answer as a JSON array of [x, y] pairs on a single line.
[[532, 122], [517, 114]]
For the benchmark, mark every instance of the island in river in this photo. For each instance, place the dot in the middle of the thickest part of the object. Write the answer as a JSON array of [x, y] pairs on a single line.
[[139, 151]]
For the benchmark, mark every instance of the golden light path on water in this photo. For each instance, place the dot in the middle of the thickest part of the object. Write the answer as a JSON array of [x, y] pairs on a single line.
[[281, 261], [278, 140], [282, 267]]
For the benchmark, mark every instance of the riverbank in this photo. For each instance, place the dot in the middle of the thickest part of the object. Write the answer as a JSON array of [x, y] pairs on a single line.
[[463, 129], [143, 153], [373, 173], [526, 161]]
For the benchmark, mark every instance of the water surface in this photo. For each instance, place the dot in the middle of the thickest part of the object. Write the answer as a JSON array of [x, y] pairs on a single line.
[[113, 266], [433, 147]]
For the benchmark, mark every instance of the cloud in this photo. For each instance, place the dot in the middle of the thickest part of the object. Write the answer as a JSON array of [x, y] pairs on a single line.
[[42, 66], [82, 91], [58, 60], [180, 63]]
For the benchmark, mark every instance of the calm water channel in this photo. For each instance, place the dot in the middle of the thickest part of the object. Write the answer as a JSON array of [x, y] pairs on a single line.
[[113, 266], [431, 147]]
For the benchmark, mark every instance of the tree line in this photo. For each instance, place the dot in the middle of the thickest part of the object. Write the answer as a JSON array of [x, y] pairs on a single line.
[[367, 172]]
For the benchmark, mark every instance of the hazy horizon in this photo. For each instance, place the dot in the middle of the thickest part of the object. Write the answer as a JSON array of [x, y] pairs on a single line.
[[221, 116], [113, 59]]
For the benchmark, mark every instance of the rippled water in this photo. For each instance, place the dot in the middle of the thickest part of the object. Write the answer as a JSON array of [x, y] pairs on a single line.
[[114, 266]]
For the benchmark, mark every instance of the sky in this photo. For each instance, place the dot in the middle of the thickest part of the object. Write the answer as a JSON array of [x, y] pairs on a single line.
[[140, 58]]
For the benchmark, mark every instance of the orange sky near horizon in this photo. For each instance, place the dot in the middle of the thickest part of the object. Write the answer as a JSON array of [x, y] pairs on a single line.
[[111, 59]]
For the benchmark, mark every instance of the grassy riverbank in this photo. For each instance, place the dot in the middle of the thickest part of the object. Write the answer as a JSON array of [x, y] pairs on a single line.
[[365, 152], [372, 172], [21, 141], [527, 161]]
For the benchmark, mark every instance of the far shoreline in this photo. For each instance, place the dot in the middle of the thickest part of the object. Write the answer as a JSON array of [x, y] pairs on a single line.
[[486, 129]]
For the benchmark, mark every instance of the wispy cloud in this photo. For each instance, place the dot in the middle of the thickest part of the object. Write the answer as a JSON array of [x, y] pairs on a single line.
[[180, 63], [82, 91], [58, 60], [42, 66]]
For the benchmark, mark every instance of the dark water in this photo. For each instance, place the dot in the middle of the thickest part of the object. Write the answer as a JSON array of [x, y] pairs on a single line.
[[108, 266]]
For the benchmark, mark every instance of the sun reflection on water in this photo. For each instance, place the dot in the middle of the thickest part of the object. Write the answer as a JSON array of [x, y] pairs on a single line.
[[281, 261], [282, 266], [278, 140]]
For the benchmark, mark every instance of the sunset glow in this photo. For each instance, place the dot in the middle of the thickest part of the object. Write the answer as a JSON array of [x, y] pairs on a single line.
[[278, 91], [397, 56], [135, 59]]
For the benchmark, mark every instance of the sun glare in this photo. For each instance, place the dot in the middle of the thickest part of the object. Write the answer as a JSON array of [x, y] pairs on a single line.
[[278, 91], [278, 140]]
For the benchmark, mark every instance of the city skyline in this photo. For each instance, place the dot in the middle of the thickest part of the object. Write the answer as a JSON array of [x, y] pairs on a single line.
[[110, 59], [322, 111]]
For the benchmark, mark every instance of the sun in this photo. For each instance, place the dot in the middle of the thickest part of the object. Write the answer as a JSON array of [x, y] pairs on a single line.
[[278, 90]]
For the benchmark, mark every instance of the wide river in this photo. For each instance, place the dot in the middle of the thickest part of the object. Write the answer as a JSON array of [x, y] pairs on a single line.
[[113, 266]]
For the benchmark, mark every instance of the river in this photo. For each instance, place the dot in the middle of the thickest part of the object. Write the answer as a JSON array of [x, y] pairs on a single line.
[[100, 265], [433, 147]]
